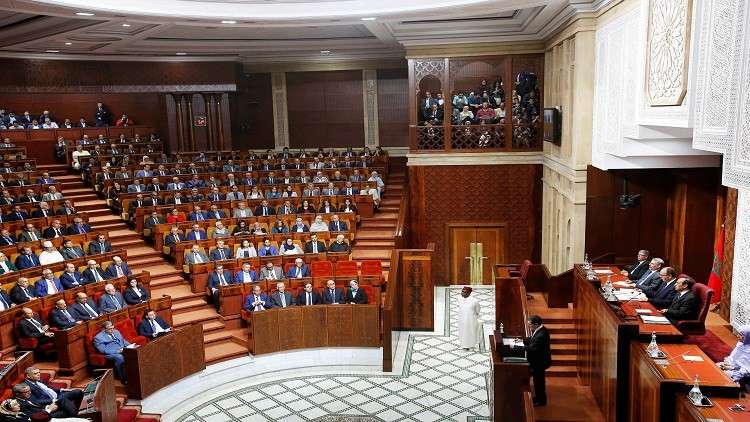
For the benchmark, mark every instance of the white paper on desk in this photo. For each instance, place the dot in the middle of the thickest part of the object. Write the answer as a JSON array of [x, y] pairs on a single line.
[[131, 346], [512, 342], [691, 358], [654, 319], [603, 272], [643, 311], [621, 284]]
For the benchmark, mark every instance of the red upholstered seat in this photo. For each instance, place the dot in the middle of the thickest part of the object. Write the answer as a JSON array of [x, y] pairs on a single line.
[[28, 343], [321, 269], [369, 293], [698, 325], [372, 271], [127, 329], [96, 359], [346, 269]]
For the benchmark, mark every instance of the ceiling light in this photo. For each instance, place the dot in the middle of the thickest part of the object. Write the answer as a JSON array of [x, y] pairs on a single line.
[[325, 51], [53, 51], [84, 14], [68, 43], [126, 25], [230, 22], [368, 19], [181, 54]]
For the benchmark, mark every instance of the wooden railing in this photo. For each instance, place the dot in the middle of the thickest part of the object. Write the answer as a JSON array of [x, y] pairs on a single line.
[[473, 138]]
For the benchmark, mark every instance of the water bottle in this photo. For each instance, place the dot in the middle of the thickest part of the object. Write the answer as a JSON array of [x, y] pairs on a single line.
[[502, 329], [653, 348], [695, 395], [586, 262]]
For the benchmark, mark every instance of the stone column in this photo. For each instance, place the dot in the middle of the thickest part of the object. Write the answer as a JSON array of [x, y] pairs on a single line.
[[370, 101], [280, 114]]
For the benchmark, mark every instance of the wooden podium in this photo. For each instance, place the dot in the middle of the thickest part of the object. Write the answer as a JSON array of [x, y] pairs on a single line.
[[71, 347], [231, 297], [163, 361], [314, 326], [99, 403]]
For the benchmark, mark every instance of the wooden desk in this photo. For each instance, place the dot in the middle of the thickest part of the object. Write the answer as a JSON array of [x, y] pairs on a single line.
[[686, 412], [314, 326], [654, 387], [99, 403], [163, 361], [509, 386], [8, 339], [71, 347], [12, 370]]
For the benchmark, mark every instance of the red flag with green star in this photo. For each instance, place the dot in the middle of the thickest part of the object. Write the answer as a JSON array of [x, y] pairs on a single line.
[[714, 280]]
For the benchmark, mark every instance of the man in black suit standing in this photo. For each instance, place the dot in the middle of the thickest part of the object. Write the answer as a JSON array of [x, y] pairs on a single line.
[[684, 305], [101, 116], [539, 356], [635, 271]]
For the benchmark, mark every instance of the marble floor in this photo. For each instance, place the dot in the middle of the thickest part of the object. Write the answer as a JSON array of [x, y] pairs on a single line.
[[433, 380]]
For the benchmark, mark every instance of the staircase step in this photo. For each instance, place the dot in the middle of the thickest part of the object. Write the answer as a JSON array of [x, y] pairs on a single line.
[[564, 371], [146, 260], [210, 326], [166, 281], [564, 360], [555, 329], [374, 244], [381, 254], [373, 234], [377, 225], [224, 350], [200, 315], [563, 349], [190, 304], [215, 336], [564, 339], [163, 269]]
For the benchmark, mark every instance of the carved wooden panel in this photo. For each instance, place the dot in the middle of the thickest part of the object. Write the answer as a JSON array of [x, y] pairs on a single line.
[[508, 193], [727, 267], [668, 51]]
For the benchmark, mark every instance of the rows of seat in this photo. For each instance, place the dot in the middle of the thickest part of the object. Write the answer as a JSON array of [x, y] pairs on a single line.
[[8, 280]]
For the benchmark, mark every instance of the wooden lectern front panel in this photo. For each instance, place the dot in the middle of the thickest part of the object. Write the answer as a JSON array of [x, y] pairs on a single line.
[[339, 325], [365, 325], [290, 328], [314, 331], [265, 326]]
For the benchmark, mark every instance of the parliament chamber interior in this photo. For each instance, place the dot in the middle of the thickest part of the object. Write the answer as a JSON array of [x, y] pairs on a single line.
[[353, 211]]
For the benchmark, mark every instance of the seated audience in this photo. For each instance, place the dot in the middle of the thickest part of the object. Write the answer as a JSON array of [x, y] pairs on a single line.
[[635, 271], [29, 234], [135, 293], [332, 294], [279, 227], [195, 256], [299, 226], [314, 245], [5, 265], [309, 296], [246, 250], [68, 401], [71, 278], [111, 343], [54, 231], [299, 270], [257, 301], [737, 364], [318, 225], [216, 279], [336, 225], [30, 326], [649, 278], [50, 255], [271, 272], [197, 233], [153, 326], [267, 249], [220, 252], [48, 284], [339, 245], [84, 309], [281, 298], [117, 269], [257, 229], [61, 318], [27, 259], [219, 231], [290, 248], [43, 211], [52, 195], [21, 292], [100, 246], [355, 294], [175, 236], [175, 217], [111, 300], [661, 296], [93, 273]]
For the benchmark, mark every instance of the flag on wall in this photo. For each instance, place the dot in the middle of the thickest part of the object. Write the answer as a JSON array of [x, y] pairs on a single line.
[[714, 280]]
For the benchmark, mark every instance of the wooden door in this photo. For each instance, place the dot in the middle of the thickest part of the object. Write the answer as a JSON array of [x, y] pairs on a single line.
[[491, 236]]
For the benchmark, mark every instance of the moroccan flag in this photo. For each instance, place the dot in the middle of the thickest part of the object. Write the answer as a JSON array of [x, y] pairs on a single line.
[[714, 280]]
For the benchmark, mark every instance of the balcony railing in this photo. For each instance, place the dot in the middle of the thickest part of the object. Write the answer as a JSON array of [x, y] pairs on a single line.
[[473, 138]]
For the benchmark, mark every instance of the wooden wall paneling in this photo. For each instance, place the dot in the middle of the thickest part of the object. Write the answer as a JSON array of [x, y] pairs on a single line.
[[416, 290], [252, 111], [703, 192], [730, 223], [393, 103], [468, 73], [211, 141], [225, 128], [506, 193], [189, 122], [200, 133]]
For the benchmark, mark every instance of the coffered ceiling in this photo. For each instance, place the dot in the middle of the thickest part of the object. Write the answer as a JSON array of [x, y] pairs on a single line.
[[269, 31]]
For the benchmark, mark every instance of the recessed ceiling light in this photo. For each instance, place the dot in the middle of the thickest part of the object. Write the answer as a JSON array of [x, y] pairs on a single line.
[[53, 51], [368, 19], [325, 51], [126, 25], [230, 22], [181, 54], [84, 14], [68, 43]]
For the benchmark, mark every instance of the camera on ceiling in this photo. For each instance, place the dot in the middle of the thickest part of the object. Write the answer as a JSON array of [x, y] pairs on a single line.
[[629, 201]]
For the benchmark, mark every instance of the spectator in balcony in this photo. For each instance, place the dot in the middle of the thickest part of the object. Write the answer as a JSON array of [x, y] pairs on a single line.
[[434, 115], [465, 115], [49, 124], [426, 103], [486, 114], [60, 149], [124, 121]]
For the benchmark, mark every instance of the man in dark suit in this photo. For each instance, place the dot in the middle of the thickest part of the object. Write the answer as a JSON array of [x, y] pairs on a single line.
[[21, 292], [27, 408], [314, 245], [93, 273], [635, 271], [355, 294], [308, 296], [31, 326], [43, 211], [153, 325], [217, 278], [118, 268], [650, 279], [662, 296], [332, 294], [154, 220], [220, 252], [337, 226], [175, 236], [84, 309], [70, 250], [61, 317], [257, 301], [7, 238], [18, 214], [339, 245], [5, 300], [67, 401], [101, 116], [281, 298], [70, 278], [299, 270], [100, 246], [27, 259], [684, 305], [539, 357], [111, 300]]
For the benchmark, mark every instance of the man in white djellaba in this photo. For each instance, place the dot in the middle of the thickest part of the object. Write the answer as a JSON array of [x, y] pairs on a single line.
[[469, 326]]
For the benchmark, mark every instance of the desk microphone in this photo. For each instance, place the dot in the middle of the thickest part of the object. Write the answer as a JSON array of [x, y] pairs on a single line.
[[672, 359]]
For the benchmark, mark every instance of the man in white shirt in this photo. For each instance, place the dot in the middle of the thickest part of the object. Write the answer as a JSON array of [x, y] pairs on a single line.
[[50, 255], [318, 225]]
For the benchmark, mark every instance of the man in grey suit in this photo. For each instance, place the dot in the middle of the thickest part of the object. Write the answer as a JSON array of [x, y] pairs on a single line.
[[111, 300], [137, 186], [242, 211], [195, 256], [650, 280], [281, 298], [271, 272], [235, 194]]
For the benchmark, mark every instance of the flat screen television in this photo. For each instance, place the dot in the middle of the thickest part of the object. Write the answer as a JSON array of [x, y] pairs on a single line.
[[552, 125]]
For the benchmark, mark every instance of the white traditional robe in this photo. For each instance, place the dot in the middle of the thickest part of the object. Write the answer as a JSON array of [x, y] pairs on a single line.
[[469, 326]]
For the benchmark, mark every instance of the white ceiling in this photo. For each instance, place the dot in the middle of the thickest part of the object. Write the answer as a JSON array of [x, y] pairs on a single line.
[[269, 30]]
